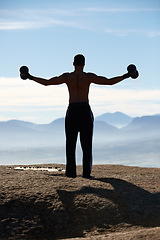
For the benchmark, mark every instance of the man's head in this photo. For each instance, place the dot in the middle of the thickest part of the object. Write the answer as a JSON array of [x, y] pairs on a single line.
[[79, 60]]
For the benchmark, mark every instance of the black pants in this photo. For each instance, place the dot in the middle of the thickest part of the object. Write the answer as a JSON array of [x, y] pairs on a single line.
[[79, 118]]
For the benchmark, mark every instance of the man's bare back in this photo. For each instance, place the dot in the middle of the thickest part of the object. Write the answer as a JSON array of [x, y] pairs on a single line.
[[78, 86], [78, 83]]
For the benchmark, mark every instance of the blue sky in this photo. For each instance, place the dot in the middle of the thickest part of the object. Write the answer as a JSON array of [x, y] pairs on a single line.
[[45, 35]]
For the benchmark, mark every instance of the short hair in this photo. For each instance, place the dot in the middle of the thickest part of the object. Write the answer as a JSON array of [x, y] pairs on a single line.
[[79, 60]]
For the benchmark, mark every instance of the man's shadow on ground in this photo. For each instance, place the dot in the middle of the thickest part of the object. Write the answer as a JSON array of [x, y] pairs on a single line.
[[126, 203], [79, 211]]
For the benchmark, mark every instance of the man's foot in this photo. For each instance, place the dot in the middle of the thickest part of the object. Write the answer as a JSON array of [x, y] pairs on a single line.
[[89, 177], [71, 176]]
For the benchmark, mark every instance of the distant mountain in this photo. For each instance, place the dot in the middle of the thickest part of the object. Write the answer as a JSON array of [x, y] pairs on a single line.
[[103, 131], [101, 126], [116, 119], [146, 127], [16, 126], [55, 126], [56, 129], [144, 123], [24, 142]]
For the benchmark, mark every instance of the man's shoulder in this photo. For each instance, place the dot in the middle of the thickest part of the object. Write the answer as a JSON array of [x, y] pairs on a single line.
[[91, 76], [65, 74], [86, 75]]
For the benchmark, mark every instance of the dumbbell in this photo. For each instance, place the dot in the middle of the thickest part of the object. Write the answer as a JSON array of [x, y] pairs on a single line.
[[24, 72], [132, 71]]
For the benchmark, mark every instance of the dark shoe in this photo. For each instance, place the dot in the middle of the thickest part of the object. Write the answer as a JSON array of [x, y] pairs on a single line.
[[71, 176], [89, 177]]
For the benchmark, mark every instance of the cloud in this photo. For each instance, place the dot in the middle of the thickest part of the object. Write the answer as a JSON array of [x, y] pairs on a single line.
[[115, 94], [120, 10], [35, 18], [122, 32], [16, 92], [7, 25], [27, 95], [153, 34], [125, 32], [73, 18], [47, 23], [131, 101]]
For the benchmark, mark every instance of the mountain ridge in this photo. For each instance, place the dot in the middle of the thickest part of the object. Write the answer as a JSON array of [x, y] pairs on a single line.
[[117, 119], [144, 122], [137, 143]]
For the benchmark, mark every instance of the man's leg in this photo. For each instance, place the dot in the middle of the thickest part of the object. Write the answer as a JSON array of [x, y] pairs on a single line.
[[86, 143], [70, 154], [71, 139], [86, 134]]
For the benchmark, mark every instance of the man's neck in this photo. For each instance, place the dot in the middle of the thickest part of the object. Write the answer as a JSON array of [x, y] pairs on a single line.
[[78, 69]]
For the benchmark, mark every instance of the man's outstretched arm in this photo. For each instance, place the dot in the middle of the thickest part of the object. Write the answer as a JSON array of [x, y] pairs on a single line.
[[24, 74], [52, 81], [107, 81]]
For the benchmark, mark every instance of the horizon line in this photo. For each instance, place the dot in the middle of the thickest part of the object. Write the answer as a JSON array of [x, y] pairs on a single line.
[[22, 120]]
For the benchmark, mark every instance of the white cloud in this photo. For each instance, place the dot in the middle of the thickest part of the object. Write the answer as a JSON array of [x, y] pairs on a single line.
[[7, 25], [27, 96], [74, 18], [121, 10], [17, 92], [17, 25], [115, 94], [122, 32], [36, 18], [125, 32], [153, 34], [131, 101]]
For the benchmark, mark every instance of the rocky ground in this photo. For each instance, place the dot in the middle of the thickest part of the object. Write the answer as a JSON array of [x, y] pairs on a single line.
[[120, 203]]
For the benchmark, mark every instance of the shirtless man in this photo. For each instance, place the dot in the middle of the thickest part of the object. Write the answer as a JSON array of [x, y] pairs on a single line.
[[79, 117]]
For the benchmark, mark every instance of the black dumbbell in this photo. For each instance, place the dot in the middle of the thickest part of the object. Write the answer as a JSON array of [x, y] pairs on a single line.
[[24, 72], [132, 71]]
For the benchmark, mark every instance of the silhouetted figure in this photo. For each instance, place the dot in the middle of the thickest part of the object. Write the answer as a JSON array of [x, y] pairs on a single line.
[[79, 117]]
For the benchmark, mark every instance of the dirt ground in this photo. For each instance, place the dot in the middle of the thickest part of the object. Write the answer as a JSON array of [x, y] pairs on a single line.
[[119, 203]]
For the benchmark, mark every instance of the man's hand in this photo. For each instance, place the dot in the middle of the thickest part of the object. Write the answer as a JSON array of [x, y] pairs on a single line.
[[132, 72], [24, 73]]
